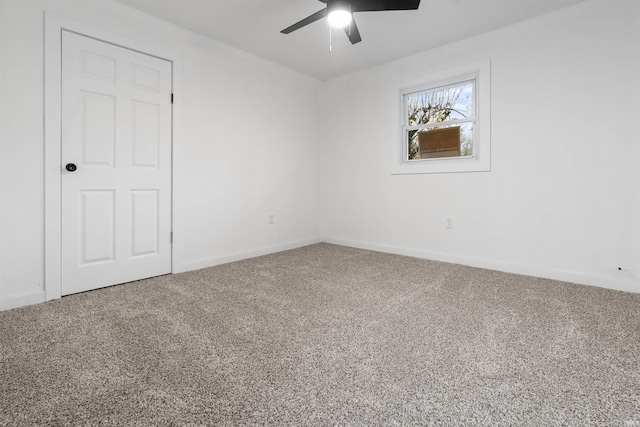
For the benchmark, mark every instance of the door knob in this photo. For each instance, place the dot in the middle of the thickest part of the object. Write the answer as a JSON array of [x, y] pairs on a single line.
[[71, 167]]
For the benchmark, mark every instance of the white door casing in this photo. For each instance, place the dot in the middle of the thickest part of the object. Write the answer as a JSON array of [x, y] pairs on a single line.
[[116, 129]]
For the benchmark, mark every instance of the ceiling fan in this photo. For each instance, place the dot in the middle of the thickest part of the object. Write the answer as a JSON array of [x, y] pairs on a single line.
[[340, 14]]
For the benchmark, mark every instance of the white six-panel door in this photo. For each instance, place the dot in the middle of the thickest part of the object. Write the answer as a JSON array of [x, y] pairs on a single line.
[[116, 130]]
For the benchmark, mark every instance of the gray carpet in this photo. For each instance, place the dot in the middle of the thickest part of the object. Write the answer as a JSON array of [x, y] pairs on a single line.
[[326, 335]]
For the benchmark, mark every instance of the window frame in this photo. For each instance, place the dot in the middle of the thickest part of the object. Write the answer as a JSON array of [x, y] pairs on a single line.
[[480, 160]]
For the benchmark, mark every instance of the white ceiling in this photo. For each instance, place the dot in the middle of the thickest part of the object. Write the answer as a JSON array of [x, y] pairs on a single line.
[[254, 26]]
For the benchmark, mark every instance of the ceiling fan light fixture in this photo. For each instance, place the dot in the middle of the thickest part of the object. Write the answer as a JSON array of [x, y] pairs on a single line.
[[339, 18]]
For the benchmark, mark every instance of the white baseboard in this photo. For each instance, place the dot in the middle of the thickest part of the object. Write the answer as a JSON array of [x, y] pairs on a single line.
[[238, 256], [619, 284], [22, 300], [626, 284]]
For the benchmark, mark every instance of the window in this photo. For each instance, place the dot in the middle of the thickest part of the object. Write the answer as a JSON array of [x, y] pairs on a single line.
[[439, 121], [444, 122]]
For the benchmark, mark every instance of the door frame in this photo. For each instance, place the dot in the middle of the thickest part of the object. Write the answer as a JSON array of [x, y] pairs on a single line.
[[53, 26]]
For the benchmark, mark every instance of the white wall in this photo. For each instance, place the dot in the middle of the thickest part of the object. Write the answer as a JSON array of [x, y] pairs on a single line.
[[562, 197], [1, 115], [247, 147]]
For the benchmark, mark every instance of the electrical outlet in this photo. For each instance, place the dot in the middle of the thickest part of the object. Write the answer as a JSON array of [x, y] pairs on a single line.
[[448, 222], [272, 219]]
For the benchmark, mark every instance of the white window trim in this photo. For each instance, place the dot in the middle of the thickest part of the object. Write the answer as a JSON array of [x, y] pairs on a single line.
[[480, 161]]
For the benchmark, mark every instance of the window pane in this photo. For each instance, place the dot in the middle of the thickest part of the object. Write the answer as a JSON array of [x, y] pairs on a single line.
[[443, 141], [440, 105]]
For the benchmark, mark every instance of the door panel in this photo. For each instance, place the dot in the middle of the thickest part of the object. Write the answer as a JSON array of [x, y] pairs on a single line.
[[97, 226], [146, 134], [98, 129], [116, 128], [144, 220]]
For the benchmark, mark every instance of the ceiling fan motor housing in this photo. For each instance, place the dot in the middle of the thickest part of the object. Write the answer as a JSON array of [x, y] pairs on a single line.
[[333, 5]]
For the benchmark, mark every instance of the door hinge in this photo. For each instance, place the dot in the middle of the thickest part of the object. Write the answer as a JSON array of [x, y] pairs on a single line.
[[172, 98], [171, 237]]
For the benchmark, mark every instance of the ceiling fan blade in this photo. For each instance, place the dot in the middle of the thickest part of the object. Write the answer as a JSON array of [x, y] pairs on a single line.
[[306, 21], [352, 32], [323, 1], [380, 5]]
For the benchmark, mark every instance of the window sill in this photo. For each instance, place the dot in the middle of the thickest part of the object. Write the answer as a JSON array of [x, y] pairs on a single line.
[[445, 165]]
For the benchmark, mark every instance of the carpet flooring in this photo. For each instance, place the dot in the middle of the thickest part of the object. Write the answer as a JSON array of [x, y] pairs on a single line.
[[325, 335]]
